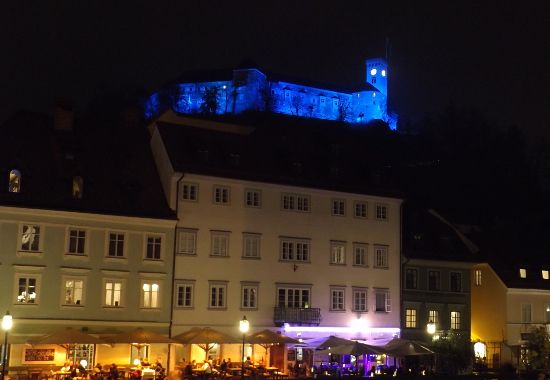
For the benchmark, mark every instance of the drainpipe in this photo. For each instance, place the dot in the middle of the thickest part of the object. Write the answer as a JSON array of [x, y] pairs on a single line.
[[173, 272]]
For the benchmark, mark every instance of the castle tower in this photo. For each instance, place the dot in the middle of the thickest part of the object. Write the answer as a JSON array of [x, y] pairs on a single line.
[[377, 74]]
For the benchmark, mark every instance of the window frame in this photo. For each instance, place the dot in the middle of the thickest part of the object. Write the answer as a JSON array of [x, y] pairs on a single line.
[[298, 290], [382, 212], [148, 236], [30, 251], [381, 256], [257, 238], [82, 300], [149, 298], [224, 196], [217, 285], [187, 195], [249, 290], [365, 254], [387, 300], [433, 317], [191, 232], [478, 277], [254, 203], [337, 298], [414, 278], [222, 236], [411, 318], [357, 293], [455, 320], [78, 238], [184, 304], [361, 205], [294, 242], [122, 293], [296, 202], [108, 241], [437, 284], [454, 286], [338, 207], [337, 253], [37, 288]]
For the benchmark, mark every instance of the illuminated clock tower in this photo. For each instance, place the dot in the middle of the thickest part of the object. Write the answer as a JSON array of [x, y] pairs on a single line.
[[377, 74]]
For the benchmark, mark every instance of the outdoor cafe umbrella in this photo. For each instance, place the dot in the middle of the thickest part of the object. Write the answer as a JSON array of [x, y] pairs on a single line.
[[398, 347], [205, 338], [333, 341], [139, 338], [66, 337], [266, 338], [355, 349]]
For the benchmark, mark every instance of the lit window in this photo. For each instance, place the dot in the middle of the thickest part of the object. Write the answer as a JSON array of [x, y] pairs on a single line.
[[27, 290], [221, 195], [545, 274], [295, 202], [523, 273], [337, 299], [456, 282], [154, 245], [410, 318], [381, 212], [381, 256], [116, 244], [294, 250], [433, 316], [337, 252], [383, 73], [219, 244], [434, 280], [150, 295], [30, 238], [14, 181], [383, 300], [217, 296], [184, 295], [77, 242], [78, 187], [73, 291], [251, 245], [360, 251], [455, 320], [477, 277], [373, 71], [547, 313], [338, 207], [360, 209], [190, 192], [252, 198], [113, 293], [187, 242], [293, 297], [249, 296], [360, 299]]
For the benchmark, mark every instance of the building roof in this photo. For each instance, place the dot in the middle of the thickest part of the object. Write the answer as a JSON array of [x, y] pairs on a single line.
[[321, 157], [116, 166], [510, 275]]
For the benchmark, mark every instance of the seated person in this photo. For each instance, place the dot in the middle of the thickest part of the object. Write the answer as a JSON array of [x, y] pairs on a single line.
[[159, 371], [66, 367], [113, 372], [248, 363], [145, 362]]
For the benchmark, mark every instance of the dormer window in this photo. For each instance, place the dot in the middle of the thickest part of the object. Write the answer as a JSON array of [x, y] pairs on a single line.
[[15, 181], [78, 187], [545, 274], [523, 273]]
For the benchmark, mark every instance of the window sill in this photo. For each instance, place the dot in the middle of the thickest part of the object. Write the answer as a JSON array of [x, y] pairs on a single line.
[[337, 310], [338, 264], [149, 309], [153, 262], [250, 258], [76, 256], [39, 254], [219, 256], [359, 266], [112, 259], [383, 268], [72, 306], [105, 307], [217, 308]]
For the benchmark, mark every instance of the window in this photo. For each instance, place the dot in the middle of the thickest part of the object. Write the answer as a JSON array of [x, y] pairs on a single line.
[[410, 318], [252, 198], [14, 181], [184, 295], [74, 289], [219, 244], [526, 313], [456, 282], [360, 209], [30, 238], [338, 253], [251, 246], [455, 320], [113, 293], [381, 256], [338, 207], [523, 273], [249, 296], [477, 277], [360, 254], [360, 299], [78, 187], [150, 295], [154, 245], [296, 202], [187, 242], [77, 242], [293, 297], [433, 316], [27, 289], [411, 278], [116, 244], [383, 300], [545, 275], [337, 299], [190, 192], [547, 313], [434, 280], [294, 250], [381, 212], [221, 195], [217, 296]]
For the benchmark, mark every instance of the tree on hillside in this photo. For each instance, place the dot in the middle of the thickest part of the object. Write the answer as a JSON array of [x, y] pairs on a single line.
[[454, 352]]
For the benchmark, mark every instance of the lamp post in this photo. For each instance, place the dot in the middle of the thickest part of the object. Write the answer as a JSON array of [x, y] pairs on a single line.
[[430, 327], [7, 323], [243, 327]]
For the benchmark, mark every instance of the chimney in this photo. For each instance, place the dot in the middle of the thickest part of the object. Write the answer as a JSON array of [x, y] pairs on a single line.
[[63, 117]]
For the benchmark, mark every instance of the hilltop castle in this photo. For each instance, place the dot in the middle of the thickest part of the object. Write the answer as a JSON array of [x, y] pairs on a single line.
[[249, 89]]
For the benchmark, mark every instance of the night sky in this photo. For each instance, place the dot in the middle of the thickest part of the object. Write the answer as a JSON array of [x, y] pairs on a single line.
[[491, 56]]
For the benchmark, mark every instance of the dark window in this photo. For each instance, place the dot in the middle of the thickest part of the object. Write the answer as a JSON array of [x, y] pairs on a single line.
[[411, 279], [434, 280]]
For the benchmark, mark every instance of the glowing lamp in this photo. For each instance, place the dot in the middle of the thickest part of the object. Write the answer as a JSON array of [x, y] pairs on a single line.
[[84, 363], [373, 71], [137, 362], [430, 327], [383, 73], [480, 350], [7, 322]]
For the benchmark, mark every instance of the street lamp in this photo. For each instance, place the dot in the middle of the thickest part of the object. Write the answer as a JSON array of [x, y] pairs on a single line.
[[243, 327], [7, 323], [430, 327]]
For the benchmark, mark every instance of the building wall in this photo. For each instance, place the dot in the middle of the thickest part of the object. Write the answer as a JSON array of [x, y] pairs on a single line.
[[273, 223], [537, 300]]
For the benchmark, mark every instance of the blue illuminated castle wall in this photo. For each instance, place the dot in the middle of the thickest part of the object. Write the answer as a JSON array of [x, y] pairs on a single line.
[[251, 90]]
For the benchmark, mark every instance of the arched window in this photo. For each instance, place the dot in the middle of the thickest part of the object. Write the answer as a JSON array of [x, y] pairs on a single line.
[[78, 187], [15, 181]]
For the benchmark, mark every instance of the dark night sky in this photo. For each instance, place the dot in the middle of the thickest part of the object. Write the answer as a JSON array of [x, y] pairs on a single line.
[[493, 56]]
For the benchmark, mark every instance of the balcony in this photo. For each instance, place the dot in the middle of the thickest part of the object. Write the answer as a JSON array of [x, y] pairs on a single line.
[[296, 316]]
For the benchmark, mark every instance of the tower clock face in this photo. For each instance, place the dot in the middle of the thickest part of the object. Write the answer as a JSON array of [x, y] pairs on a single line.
[[373, 72], [383, 73]]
